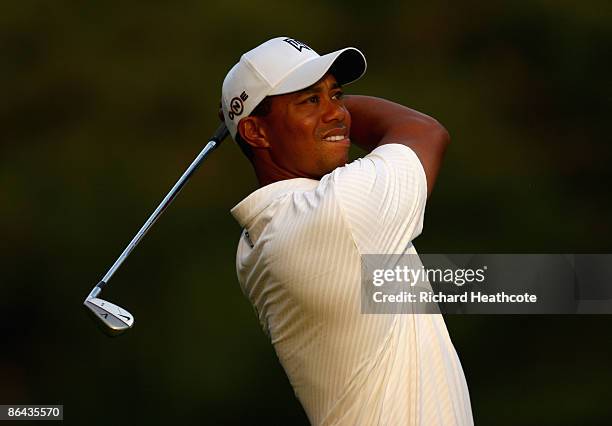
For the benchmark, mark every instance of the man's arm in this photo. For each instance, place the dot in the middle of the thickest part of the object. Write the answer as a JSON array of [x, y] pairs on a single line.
[[378, 122]]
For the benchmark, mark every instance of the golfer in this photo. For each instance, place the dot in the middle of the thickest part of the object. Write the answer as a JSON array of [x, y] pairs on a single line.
[[314, 215]]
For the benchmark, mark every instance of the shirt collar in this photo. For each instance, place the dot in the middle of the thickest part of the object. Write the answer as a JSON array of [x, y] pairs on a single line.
[[245, 211]]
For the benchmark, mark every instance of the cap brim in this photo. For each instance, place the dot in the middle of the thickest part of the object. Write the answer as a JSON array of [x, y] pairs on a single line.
[[347, 65]]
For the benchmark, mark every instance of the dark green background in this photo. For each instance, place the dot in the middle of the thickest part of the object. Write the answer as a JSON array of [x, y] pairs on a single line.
[[104, 104]]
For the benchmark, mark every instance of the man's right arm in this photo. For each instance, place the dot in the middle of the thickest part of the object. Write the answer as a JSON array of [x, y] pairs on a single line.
[[378, 122]]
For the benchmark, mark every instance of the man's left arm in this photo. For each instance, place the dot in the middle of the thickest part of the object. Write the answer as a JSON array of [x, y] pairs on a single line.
[[377, 122]]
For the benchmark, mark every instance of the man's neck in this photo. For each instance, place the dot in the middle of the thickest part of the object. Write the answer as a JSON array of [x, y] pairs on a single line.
[[268, 172]]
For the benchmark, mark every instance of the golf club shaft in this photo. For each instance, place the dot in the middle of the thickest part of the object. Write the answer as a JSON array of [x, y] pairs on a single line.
[[220, 134]]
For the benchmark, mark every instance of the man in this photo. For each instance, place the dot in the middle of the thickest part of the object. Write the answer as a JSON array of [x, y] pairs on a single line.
[[298, 259]]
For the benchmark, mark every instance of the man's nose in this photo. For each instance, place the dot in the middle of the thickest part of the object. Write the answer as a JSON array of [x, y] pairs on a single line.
[[334, 111]]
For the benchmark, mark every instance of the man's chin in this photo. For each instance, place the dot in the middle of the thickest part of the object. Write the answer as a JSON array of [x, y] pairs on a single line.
[[331, 166]]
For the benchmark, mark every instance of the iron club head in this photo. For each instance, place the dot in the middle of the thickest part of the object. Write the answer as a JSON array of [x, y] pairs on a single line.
[[116, 320]]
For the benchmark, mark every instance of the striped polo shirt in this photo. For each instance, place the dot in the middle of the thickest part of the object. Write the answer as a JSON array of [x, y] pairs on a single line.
[[298, 262]]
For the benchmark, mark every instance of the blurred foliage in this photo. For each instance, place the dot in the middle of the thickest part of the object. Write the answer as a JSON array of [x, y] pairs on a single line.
[[104, 104]]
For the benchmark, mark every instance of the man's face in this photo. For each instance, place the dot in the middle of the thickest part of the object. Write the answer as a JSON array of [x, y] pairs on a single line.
[[308, 131]]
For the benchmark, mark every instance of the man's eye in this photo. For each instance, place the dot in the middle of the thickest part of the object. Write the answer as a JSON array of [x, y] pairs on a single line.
[[313, 99], [338, 95]]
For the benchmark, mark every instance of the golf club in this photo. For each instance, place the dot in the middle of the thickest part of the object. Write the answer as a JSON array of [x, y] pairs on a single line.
[[116, 320]]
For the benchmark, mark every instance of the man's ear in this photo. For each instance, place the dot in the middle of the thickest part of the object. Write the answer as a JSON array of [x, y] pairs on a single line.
[[251, 129]]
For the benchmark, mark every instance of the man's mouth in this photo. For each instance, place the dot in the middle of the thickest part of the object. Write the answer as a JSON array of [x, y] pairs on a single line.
[[334, 138], [337, 135]]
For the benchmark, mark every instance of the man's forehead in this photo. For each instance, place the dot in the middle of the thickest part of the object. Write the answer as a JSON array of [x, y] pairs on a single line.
[[319, 85]]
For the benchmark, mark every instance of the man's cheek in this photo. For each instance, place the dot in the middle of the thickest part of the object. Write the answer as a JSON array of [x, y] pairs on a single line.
[[348, 121]]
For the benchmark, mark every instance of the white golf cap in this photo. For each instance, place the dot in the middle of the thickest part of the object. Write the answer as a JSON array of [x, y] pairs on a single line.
[[278, 66]]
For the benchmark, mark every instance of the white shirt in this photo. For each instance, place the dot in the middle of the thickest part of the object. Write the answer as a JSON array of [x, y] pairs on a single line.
[[298, 262]]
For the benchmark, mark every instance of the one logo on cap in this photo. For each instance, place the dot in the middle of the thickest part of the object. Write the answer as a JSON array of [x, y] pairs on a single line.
[[237, 105], [297, 44]]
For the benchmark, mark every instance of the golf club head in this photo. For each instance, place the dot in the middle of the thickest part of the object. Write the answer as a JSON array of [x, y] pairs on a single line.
[[113, 319]]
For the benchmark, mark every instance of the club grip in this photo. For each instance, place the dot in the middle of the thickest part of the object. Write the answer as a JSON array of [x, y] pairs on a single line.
[[221, 133]]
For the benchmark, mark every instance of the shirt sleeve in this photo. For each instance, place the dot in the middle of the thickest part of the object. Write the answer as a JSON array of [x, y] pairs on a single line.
[[382, 196]]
